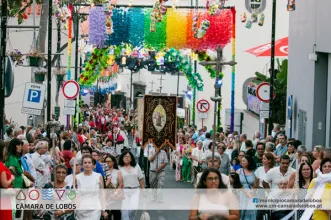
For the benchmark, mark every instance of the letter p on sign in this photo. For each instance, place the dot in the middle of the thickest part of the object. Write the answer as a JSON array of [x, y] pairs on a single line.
[[34, 95]]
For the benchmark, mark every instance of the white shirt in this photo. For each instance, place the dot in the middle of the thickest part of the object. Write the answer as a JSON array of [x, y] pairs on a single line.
[[198, 154], [260, 174], [274, 176], [125, 137], [243, 147]]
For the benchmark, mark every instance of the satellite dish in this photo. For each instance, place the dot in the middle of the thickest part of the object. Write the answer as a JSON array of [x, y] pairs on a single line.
[[9, 76]]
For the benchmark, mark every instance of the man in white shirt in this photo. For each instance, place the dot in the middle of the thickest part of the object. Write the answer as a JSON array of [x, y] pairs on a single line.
[[43, 172], [207, 141], [243, 138], [277, 174], [158, 159], [197, 154], [124, 134], [147, 152]]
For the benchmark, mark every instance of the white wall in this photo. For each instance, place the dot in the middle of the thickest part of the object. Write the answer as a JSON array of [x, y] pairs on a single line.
[[22, 40]]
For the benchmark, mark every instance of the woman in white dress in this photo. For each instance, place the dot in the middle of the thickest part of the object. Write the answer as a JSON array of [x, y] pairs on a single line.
[[213, 198], [88, 185]]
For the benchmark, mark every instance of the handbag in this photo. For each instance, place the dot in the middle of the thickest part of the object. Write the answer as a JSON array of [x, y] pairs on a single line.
[[26, 181], [246, 179]]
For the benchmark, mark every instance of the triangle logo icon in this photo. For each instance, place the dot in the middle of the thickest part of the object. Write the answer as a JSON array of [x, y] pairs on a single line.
[[20, 195], [60, 193]]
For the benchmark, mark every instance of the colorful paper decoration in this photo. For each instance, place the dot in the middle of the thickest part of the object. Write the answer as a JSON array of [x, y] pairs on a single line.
[[254, 17], [136, 26], [261, 20], [121, 28], [109, 20], [130, 27], [291, 5], [156, 39], [243, 17], [97, 28], [69, 42], [176, 29]]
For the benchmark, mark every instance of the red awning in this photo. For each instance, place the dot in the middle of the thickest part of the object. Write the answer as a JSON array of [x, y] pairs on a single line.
[[281, 49]]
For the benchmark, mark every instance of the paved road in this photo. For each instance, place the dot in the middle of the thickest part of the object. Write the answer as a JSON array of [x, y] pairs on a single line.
[[170, 182]]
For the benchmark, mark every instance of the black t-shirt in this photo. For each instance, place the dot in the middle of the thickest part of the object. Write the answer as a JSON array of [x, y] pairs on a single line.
[[257, 161]]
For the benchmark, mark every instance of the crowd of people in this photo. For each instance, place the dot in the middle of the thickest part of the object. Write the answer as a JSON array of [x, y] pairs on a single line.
[[105, 152]]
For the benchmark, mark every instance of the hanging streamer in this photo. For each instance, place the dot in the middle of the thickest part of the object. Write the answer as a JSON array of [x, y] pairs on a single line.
[[219, 31], [158, 38], [69, 42], [136, 26], [176, 29], [191, 41], [97, 27], [121, 27]]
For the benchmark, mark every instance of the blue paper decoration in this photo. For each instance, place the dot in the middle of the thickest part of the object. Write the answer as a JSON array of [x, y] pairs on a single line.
[[136, 26]]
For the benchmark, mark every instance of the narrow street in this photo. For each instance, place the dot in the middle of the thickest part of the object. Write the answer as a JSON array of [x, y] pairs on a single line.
[[169, 182]]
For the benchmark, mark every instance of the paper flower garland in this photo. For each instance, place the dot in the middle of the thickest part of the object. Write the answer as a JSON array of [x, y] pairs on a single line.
[[182, 63], [97, 63], [62, 13], [97, 28], [203, 56]]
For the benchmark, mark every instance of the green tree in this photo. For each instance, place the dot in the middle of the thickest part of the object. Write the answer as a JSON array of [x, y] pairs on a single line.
[[280, 87]]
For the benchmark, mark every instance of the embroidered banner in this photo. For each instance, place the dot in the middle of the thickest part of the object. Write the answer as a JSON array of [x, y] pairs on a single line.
[[160, 119]]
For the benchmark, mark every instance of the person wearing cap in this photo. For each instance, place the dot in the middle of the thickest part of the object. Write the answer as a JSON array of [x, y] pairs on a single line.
[[217, 165]]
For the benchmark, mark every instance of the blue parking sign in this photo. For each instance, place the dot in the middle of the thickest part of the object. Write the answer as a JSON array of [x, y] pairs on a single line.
[[34, 95], [33, 101]]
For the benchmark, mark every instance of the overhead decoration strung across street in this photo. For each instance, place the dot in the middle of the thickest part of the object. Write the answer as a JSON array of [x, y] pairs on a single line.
[[133, 26], [166, 60]]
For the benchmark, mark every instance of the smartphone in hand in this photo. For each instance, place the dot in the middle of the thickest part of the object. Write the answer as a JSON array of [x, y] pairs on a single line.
[[13, 172]]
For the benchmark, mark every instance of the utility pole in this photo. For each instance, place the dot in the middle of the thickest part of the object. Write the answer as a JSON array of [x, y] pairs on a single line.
[[178, 82], [152, 83], [2, 65], [272, 75], [161, 83], [49, 64], [131, 81], [219, 65]]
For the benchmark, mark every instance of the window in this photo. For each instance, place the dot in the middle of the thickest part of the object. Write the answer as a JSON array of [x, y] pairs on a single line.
[[257, 6]]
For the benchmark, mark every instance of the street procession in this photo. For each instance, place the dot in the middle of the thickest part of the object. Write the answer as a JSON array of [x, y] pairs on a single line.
[[165, 110]]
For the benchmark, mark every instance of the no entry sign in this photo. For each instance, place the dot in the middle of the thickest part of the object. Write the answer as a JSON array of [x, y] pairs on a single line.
[[203, 105], [70, 89], [263, 92]]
